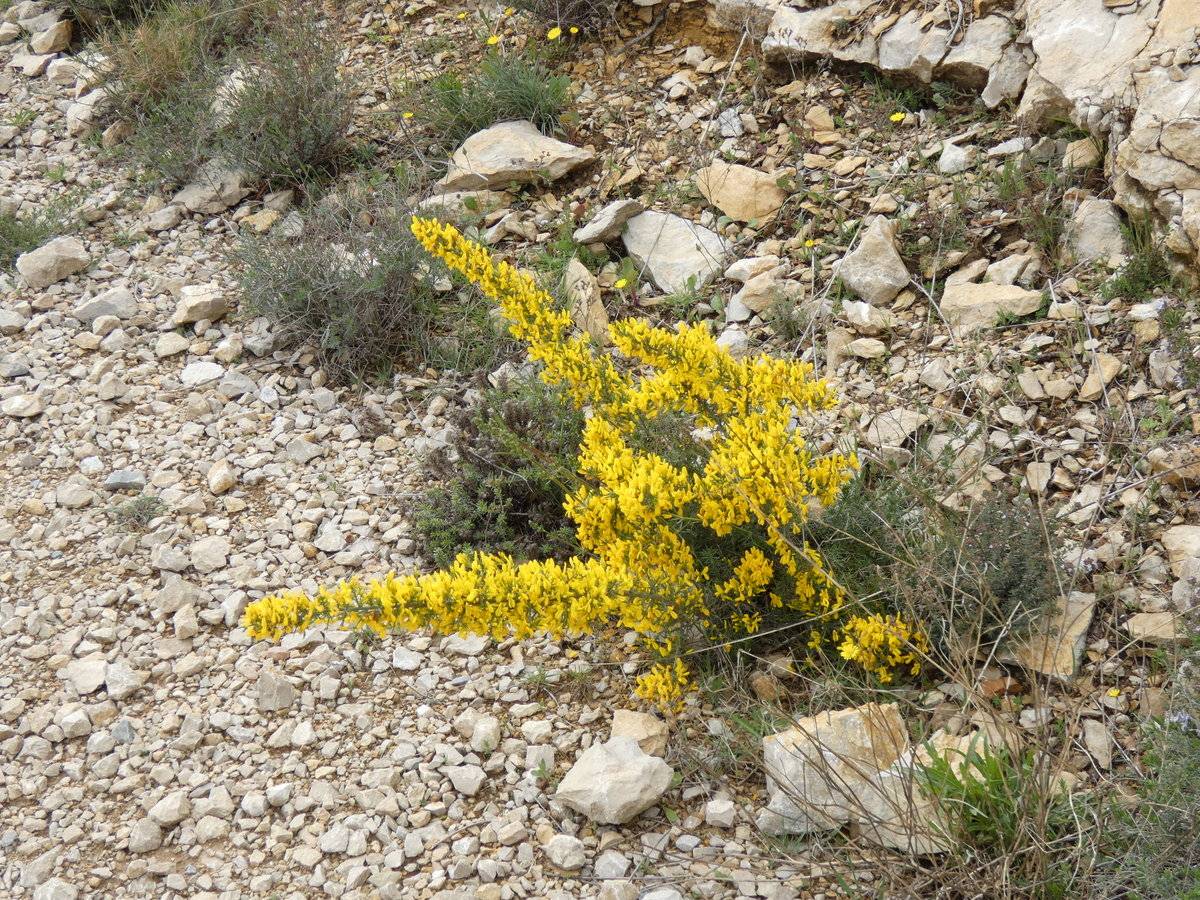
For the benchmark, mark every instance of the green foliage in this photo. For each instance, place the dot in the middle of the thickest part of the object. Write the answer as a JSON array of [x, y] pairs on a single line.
[[504, 477], [1005, 817], [505, 86], [22, 233], [1153, 847], [1147, 271], [360, 294]]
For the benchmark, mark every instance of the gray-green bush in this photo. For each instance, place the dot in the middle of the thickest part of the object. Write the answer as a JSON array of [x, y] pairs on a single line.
[[356, 286]]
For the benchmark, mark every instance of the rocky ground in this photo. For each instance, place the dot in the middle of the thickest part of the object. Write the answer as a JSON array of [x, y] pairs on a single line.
[[165, 462]]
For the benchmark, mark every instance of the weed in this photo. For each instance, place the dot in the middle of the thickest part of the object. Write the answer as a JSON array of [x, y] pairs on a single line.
[[1153, 851], [1004, 816], [1158, 425], [505, 475], [138, 513], [505, 87], [972, 577], [1182, 342], [23, 117], [1147, 271]]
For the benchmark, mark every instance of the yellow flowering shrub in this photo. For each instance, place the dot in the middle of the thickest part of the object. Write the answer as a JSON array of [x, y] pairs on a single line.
[[670, 550]]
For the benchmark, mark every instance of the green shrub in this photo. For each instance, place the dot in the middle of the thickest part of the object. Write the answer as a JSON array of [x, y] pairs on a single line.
[[354, 285], [504, 477], [506, 86], [22, 233], [287, 113], [276, 109], [1146, 272]]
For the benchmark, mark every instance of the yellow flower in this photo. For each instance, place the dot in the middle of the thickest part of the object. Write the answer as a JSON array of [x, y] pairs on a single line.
[[493, 40], [1114, 692], [554, 33], [408, 115], [574, 29], [896, 117], [508, 10], [461, 16], [641, 517], [811, 242]]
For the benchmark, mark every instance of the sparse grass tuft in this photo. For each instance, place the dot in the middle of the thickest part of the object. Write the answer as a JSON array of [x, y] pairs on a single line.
[[506, 86], [1147, 271], [353, 284]]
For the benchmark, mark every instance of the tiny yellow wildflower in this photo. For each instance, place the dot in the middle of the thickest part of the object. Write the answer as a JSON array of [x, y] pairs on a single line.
[[1114, 692], [493, 40], [554, 33], [508, 10], [811, 242], [574, 29], [408, 115], [621, 283], [461, 16], [896, 117]]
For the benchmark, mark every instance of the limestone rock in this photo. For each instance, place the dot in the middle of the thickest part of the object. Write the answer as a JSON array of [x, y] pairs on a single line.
[[1105, 367], [971, 307], [171, 809], [87, 674], [1053, 645], [274, 692], [1156, 628], [54, 39], [508, 153], [566, 852], [200, 301], [216, 188], [1182, 543], [649, 731], [799, 35], [675, 253], [52, 262], [613, 782], [606, 225], [118, 302], [1094, 234], [742, 193], [461, 206], [22, 406], [874, 269], [587, 306], [817, 768], [146, 835]]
